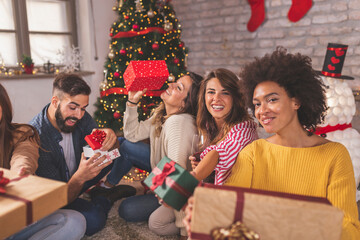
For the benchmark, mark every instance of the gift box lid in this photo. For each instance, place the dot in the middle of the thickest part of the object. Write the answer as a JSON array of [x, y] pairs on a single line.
[[150, 74]]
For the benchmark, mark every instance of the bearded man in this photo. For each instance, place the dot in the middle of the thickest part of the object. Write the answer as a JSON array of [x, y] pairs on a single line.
[[62, 126]]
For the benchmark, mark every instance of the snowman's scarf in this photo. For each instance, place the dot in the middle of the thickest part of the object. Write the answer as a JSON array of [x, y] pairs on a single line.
[[328, 128]]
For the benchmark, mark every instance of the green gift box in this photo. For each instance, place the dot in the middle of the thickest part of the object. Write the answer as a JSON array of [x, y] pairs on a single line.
[[172, 183]]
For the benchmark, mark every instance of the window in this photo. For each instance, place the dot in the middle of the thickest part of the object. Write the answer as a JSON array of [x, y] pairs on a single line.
[[39, 28]]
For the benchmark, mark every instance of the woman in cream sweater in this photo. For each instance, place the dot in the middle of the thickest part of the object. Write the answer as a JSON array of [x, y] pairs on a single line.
[[170, 130]]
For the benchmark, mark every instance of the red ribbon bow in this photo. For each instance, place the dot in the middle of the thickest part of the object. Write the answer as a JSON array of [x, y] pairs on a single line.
[[98, 136], [159, 179], [3, 182]]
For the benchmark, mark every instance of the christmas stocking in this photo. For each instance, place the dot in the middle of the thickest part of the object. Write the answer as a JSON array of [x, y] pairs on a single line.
[[257, 14], [298, 9]]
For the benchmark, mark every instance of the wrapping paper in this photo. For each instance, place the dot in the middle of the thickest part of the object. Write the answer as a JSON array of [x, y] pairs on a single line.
[[44, 196], [171, 183], [150, 74], [110, 155], [272, 215]]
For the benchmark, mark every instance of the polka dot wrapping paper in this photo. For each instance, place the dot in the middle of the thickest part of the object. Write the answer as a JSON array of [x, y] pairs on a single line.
[[145, 74]]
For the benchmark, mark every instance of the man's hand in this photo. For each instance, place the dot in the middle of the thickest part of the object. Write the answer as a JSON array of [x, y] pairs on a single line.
[[110, 139], [88, 169]]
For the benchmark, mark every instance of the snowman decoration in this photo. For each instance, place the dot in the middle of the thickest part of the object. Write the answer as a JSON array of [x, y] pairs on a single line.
[[341, 107]]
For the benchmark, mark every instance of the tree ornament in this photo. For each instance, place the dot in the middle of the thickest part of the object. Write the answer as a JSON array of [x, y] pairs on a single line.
[[126, 17], [111, 55], [116, 115], [111, 34], [141, 52], [257, 14], [176, 60], [298, 9], [103, 85], [114, 8], [155, 46], [120, 3], [181, 44], [171, 78], [122, 52], [116, 74], [151, 13], [168, 26], [136, 27]]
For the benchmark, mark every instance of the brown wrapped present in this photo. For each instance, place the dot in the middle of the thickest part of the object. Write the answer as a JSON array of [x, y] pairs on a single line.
[[26, 200], [272, 215]]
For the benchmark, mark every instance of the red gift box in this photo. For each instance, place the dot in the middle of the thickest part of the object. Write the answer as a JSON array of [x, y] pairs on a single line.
[[95, 139], [145, 74]]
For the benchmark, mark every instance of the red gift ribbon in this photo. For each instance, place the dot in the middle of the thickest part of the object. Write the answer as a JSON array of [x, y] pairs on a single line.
[[3, 182], [159, 179], [99, 136]]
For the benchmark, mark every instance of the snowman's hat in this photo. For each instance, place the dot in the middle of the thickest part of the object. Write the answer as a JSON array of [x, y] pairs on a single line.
[[334, 61]]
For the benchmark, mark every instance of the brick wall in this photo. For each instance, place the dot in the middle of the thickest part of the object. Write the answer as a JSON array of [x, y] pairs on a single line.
[[216, 34]]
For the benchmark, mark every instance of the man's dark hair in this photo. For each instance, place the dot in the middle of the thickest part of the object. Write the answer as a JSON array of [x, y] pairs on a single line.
[[71, 84]]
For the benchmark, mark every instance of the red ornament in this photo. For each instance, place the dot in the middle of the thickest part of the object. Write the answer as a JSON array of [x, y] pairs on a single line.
[[111, 34], [116, 74], [116, 115], [141, 52], [176, 60], [181, 44], [122, 52], [136, 27], [155, 46], [126, 17]]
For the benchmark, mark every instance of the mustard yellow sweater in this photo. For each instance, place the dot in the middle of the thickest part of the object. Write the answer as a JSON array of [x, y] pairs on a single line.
[[321, 171]]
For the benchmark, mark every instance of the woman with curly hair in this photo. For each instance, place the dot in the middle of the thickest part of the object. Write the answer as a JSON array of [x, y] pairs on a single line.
[[288, 100], [223, 122]]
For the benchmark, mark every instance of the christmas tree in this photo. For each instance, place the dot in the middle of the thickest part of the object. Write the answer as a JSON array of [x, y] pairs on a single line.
[[145, 30]]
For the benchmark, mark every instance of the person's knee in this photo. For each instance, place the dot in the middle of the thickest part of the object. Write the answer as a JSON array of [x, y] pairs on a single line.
[[126, 211], [75, 223], [155, 225]]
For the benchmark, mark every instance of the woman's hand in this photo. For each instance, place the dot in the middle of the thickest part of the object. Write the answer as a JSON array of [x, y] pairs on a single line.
[[193, 162], [136, 96], [188, 215]]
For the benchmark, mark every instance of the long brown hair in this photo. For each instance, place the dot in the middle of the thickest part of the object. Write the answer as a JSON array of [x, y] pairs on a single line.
[[238, 113], [191, 107], [8, 129]]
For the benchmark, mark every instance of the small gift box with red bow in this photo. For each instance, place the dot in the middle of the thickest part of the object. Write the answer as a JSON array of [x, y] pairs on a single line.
[[150, 74], [269, 215], [172, 183], [96, 139], [24, 200]]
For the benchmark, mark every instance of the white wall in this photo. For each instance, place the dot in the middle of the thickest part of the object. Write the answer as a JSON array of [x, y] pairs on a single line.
[[29, 96]]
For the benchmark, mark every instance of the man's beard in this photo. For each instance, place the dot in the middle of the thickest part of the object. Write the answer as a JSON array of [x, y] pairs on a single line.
[[60, 121]]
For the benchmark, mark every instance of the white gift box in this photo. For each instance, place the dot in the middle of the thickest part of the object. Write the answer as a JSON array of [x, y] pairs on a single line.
[[110, 155]]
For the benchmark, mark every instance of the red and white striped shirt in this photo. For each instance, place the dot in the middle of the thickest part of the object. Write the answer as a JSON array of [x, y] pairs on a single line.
[[238, 137]]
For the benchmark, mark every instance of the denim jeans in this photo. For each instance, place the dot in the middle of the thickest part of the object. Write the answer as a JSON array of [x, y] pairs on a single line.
[[62, 224], [96, 211], [132, 154], [138, 208]]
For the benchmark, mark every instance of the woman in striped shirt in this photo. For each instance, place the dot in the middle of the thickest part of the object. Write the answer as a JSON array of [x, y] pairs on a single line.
[[224, 124]]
